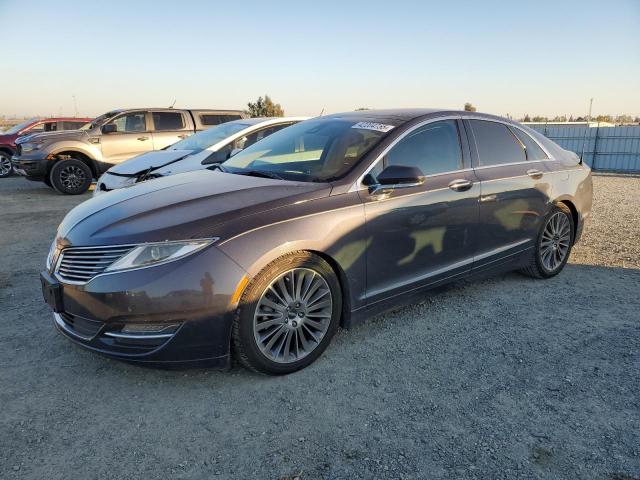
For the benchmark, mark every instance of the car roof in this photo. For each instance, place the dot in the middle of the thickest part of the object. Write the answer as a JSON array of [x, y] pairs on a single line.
[[399, 116]]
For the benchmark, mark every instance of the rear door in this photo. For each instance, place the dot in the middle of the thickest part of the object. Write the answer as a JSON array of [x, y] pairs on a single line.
[[132, 137], [170, 127], [514, 192]]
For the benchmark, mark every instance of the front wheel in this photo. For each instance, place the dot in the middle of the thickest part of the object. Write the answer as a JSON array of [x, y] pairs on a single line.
[[288, 314], [6, 169], [71, 177], [553, 245]]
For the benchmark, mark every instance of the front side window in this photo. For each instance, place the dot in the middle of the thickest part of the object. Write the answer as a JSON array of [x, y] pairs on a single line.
[[314, 150], [254, 137], [71, 125], [206, 138], [496, 144], [164, 121], [532, 149], [131, 122], [433, 148]]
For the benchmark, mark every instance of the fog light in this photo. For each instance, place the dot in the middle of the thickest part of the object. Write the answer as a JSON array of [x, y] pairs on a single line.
[[149, 328]]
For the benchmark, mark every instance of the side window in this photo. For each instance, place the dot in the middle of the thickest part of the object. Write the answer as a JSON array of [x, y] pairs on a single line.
[[496, 144], [131, 122], [70, 125], [37, 128], [50, 126], [163, 121], [532, 149], [433, 148], [254, 137], [211, 119]]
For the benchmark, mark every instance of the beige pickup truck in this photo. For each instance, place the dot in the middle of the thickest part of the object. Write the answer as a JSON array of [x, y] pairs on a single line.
[[69, 161]]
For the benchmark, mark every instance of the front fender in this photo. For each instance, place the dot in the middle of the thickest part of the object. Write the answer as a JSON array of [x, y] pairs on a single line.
[[87, 149]]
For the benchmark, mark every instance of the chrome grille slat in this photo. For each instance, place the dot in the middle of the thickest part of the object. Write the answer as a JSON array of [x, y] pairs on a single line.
[[79, 265]]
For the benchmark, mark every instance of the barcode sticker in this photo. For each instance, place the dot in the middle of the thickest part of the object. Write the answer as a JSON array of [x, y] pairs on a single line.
[[378, 127]]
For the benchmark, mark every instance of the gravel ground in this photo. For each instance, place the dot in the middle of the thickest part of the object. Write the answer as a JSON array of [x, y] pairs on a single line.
[[505, 377]]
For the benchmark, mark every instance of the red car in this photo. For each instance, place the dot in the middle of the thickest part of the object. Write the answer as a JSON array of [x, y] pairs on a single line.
[[34, 125]]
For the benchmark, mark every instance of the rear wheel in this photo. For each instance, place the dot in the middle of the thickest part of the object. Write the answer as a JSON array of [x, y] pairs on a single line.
[[553, 246], [287, 314], [71, 177], [6, 169]]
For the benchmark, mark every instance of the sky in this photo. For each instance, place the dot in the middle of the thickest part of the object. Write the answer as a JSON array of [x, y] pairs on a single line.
[[506, 57]]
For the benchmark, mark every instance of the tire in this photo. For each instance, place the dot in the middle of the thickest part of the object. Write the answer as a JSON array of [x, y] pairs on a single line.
[[6, 169], [71, 177], [298, 334], [547, 261]]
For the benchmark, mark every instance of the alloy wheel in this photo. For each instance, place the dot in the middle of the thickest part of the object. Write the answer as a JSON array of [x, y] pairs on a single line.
[[556, 238], [5, 165], [72, 177], [293, 315]]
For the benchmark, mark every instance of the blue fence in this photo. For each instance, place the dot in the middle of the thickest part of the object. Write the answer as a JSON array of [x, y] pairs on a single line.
[[605, 148]]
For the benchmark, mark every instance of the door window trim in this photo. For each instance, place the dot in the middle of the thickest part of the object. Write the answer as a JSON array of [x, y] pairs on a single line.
[[358, 185]]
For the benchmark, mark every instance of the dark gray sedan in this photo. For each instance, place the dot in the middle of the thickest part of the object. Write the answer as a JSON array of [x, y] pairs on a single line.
[[320, 225]]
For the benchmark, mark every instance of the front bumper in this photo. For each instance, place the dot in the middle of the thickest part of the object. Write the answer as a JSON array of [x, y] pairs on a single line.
[[32, 168], [108, 182], [192, 297]]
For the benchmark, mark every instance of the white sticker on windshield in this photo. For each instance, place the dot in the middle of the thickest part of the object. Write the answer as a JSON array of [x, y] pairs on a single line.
[[378, 127]]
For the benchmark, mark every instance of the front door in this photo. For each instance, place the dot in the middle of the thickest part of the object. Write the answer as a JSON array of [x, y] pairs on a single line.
[[132, 137], [420, 235], [515, 192]]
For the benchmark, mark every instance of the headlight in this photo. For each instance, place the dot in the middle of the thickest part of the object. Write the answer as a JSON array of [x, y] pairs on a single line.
[[30, 147], [53, 255], [157, 253]]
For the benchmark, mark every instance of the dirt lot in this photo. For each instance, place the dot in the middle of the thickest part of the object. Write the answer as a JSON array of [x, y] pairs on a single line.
[[506, 377]]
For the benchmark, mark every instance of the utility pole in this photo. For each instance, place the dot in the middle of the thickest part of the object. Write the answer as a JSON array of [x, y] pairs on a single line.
[[590, 107]]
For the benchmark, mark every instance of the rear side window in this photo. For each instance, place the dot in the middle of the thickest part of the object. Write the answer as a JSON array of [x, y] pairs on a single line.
[[433, 148], [532, 149], [168, 121], [70, 125], [496, 144], [210, 119]]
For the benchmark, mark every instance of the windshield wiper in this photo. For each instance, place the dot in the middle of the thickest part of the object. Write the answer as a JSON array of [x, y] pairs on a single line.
[[259, 173]]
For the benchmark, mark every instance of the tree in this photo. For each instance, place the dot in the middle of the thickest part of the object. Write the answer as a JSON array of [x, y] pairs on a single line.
[[604, 118], [526, 118], [468, 107], [538, 118], [265, 108]]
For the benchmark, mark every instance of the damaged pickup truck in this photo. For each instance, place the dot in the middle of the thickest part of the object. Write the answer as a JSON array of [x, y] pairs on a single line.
[[69, 161]]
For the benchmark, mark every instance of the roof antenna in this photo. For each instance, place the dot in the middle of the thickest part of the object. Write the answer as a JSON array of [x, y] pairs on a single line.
[[174, 102]]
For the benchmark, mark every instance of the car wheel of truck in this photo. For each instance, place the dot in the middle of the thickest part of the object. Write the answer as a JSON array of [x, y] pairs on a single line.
[[71, 177], [6, 169]]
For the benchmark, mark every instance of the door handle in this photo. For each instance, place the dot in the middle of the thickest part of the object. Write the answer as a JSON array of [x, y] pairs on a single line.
[[533, 173], [460, 185], [142, 139], [183, 136]]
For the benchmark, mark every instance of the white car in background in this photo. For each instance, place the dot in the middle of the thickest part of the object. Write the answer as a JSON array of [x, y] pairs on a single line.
[[201, 150]]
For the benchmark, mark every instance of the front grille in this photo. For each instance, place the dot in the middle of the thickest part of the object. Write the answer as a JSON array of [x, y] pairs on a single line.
[[82, 327], [80, 265]]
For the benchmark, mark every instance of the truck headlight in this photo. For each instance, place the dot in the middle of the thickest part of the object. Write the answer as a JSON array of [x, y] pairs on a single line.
[[30, 147], [151, 254]]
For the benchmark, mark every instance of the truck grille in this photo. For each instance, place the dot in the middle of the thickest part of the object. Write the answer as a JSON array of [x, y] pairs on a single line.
[[79, 265]]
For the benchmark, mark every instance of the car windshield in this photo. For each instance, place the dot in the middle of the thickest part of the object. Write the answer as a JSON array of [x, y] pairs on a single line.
[[16, 128], [99, 120], [203, 140], [314, 150]]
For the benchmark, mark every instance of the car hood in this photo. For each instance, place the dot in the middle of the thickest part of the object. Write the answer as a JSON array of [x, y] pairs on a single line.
[[53, 136], [149, 160], [188, 205]]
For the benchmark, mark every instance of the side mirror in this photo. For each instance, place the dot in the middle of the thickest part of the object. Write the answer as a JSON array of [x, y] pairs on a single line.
[[401, 175], [109, 128]]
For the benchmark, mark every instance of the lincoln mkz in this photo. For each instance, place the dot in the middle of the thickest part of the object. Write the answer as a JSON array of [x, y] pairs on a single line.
[[317, 226]]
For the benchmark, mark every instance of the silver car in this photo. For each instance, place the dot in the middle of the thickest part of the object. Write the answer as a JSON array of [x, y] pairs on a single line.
[[199, 151]]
